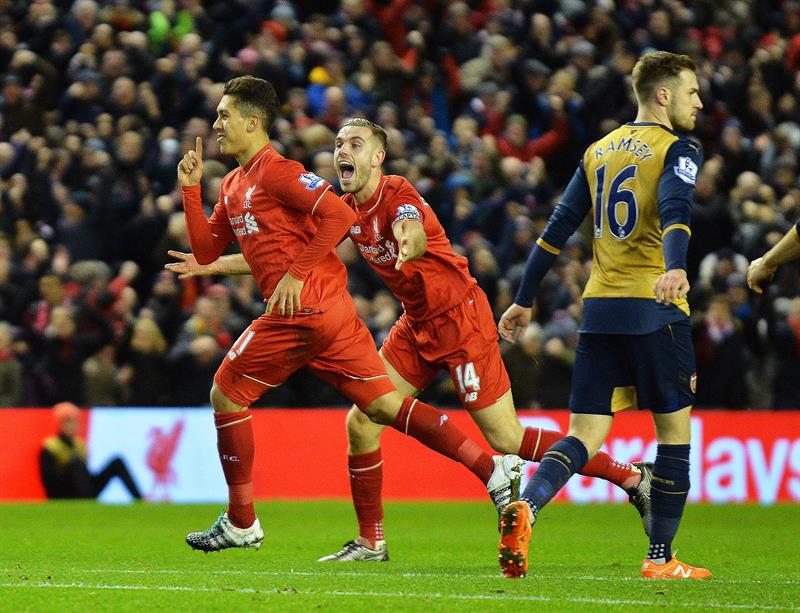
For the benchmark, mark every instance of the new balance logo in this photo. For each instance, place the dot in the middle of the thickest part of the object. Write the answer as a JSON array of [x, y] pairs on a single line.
[[442, 419], [682, 571]]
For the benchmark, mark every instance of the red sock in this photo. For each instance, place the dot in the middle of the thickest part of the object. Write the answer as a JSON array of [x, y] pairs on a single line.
[[604, 466], [366, 481], [536, 441], [236, 447], [432, 428]]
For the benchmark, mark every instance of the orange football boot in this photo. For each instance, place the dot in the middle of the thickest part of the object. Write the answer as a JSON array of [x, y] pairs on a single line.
[[674, 569], [515, 534]]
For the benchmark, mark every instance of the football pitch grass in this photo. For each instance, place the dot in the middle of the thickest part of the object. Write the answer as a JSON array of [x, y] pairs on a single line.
[[84, 556]]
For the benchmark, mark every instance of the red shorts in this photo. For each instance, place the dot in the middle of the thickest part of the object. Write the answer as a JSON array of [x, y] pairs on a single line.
[[462, 340], [335, 345]]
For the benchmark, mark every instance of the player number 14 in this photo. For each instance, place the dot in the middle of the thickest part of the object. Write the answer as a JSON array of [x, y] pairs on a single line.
[[468, 379]]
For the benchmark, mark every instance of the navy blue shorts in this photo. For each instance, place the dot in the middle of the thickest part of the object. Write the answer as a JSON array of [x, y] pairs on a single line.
[[654, 371]]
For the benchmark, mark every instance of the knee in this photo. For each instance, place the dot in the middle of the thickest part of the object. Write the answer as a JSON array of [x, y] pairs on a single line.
[[363, 435], [358, 425], [674, 434], [505, 441], [221, 403], [383, 410]]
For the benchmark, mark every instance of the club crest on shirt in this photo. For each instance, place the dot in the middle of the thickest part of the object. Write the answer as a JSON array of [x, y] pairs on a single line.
[[248, 195], [686, 170], [310, 180], [378, 235]]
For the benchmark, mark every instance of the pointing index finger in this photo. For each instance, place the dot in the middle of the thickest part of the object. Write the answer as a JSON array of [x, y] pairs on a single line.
[[198, 147]]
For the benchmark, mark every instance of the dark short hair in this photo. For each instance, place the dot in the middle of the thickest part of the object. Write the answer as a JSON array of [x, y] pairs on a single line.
[[374, 128], [254, 97], [654, 68]]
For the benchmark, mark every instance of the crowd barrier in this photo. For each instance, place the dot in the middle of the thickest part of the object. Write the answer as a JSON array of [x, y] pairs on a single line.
[[301, 453]]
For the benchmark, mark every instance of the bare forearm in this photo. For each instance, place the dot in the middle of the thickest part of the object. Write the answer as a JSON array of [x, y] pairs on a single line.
[[234, 264], [786, 250], [412, 234]]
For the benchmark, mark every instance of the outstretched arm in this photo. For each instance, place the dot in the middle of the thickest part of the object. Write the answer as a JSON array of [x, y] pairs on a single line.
[[187, 266], [411, 239], [763, 268]]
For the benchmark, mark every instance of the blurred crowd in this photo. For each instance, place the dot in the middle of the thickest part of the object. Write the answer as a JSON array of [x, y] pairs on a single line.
[[488, 105]]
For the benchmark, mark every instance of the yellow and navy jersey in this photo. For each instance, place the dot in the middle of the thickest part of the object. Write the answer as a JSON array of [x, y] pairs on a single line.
[[638, 184]]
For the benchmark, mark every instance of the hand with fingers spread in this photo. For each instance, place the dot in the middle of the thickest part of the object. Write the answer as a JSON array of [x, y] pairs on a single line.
[[190, 168], [188, 266], [670, 286], [513, 322], [286, 296]]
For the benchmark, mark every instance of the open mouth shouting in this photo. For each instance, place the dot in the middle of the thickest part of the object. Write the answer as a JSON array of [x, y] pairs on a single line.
[[346, 172]]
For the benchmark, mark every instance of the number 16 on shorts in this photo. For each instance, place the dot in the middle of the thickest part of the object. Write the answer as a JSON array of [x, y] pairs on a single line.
[[469, 383]]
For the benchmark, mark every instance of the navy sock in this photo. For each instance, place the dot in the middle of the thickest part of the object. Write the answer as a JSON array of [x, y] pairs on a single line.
[[668, 494], [558, 464]]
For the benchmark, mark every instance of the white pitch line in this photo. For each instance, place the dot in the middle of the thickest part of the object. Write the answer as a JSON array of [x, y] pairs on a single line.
[[427, 595], [353, 573]]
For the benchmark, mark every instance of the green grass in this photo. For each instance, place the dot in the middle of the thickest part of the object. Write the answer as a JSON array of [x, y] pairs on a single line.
[[79, 556]]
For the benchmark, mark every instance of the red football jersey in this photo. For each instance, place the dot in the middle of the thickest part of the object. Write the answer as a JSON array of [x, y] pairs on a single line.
[[427, 286], [267, 206]]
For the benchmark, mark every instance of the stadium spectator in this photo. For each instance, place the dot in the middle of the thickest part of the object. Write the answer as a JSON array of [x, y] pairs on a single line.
[[10, 369], [70, 337], [722, 357], [144, 369], [785, 334], [62, 462], [104, 383], [539, 368]]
